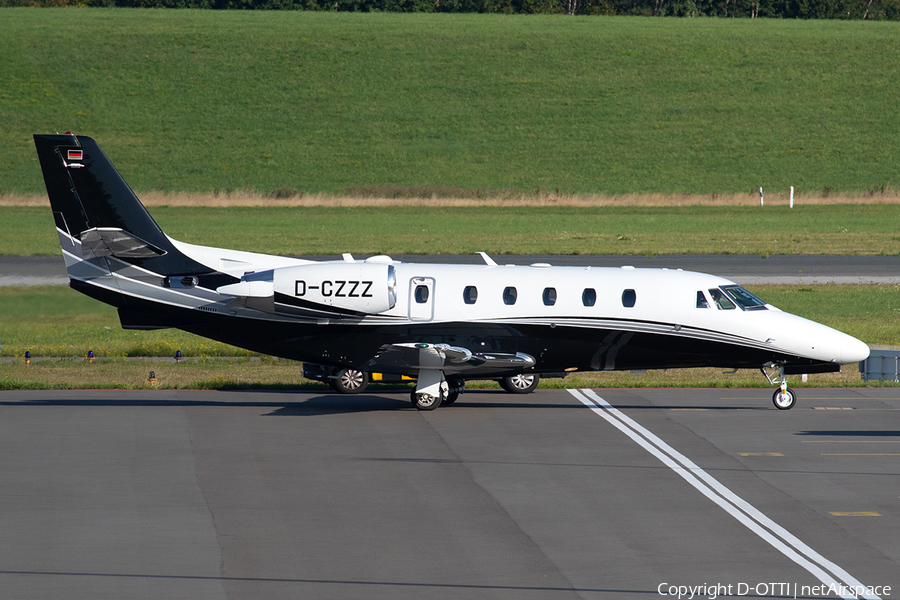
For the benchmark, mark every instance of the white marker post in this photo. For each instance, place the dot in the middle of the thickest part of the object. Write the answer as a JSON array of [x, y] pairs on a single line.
[[792, 196], [760, 197]]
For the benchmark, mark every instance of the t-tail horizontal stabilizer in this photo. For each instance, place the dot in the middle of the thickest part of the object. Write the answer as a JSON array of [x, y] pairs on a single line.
[[97, 214]]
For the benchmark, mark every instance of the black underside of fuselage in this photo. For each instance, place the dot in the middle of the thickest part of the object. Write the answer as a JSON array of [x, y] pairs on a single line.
[[555, 348]]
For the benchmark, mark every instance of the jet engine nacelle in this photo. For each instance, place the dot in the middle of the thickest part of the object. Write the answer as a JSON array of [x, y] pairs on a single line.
[[366, 288], [369, 288]]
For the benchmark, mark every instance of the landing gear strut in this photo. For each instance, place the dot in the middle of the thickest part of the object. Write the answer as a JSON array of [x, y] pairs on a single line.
[[784, 398]]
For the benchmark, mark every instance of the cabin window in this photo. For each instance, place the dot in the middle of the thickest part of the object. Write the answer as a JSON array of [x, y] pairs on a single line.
[[629, 297], [721, 300], [421, 294], [549, 296], [509, 296], [589, 297], [470, 294], [744, 299], [701, 300]]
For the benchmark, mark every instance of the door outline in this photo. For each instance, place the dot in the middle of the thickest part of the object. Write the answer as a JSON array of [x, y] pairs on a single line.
[[421, 311]]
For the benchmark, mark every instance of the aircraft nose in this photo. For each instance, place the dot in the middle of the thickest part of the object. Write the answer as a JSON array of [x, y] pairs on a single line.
[[822, 342], [853, 350]]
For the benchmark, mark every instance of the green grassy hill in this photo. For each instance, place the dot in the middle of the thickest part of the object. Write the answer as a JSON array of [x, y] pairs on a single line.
[[204, 100]]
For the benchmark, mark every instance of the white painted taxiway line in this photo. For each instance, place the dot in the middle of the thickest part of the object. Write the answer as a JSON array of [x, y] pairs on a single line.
[[823, 569]]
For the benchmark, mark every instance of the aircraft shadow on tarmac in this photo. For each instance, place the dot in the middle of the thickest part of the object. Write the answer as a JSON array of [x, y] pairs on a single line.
[[311, 404], [327, 404], [301, 403], [849, 433]]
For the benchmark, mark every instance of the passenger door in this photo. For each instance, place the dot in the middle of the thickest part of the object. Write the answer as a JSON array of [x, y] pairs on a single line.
[[421, 299]]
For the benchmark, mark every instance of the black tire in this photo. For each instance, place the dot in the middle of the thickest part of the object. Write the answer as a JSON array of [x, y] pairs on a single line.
[[784, 401], [424, 401], [523, 383], [456, 386], [349, 381]]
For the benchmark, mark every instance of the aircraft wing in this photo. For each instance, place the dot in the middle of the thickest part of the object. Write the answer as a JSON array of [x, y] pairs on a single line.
[[413, 357]]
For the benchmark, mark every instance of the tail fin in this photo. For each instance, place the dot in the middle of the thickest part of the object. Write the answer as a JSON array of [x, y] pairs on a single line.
[[97, 214]]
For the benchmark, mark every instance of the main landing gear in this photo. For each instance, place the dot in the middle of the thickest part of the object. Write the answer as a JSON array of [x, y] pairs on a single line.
[[784, 398], [523, 383], [349, 381], [432, 390]]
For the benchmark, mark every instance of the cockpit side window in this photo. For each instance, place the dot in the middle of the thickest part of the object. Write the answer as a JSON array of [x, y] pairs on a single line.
[[744, 299], [701, 300], [721, 300]]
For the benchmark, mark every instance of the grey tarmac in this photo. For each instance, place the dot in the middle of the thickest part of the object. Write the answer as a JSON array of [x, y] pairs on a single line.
[[203, 494]]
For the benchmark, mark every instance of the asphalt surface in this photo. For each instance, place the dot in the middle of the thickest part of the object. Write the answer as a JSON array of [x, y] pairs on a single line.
[[198, 494], [743, 269]]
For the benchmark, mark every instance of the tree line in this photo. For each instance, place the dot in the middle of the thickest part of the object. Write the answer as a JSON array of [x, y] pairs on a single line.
[[773, 9]]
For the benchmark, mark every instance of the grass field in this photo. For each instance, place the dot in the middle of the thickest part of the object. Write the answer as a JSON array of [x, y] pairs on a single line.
[[837, 229], [200, 101], [57, 322]]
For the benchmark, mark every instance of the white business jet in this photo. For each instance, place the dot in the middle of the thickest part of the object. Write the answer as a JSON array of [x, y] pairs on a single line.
[[437, 323]]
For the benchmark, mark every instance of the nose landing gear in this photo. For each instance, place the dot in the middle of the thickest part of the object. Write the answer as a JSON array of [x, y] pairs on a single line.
[[784, 398]]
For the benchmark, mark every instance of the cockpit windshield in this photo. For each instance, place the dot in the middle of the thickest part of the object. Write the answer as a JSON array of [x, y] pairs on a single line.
[[743, 298]]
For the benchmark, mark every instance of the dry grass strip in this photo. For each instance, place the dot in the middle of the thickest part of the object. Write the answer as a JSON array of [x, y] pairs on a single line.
[[261, 199]]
